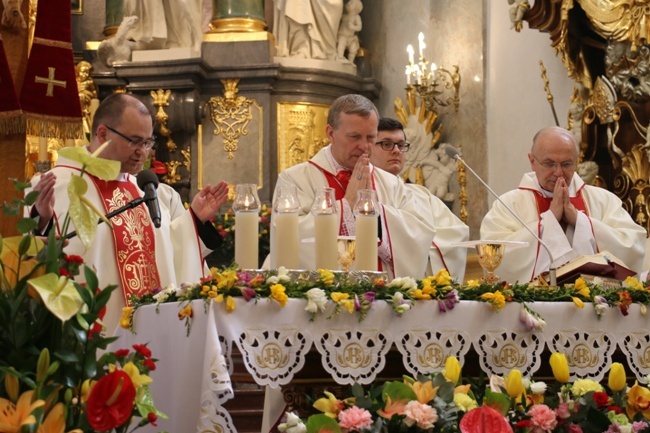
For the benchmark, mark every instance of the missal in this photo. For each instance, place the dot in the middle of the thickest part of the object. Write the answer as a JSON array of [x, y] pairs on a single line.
[[603, 264]]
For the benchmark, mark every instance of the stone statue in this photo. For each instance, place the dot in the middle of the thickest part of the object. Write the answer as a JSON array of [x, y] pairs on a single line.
[[87, 94], [347, 38], [166, 23], [517, 11], [588, 172], [119, 47], [307, 28], [12, 17]]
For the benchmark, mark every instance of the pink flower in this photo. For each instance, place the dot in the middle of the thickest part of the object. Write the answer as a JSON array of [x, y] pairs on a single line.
[[575, 428], [562, 411], [543, 418], [424, 415], [247, 293], [355, 419]]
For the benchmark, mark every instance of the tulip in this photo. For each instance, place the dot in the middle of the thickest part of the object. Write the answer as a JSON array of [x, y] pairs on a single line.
[[617, 379], [514, 384], [452, 369], [560, 367]]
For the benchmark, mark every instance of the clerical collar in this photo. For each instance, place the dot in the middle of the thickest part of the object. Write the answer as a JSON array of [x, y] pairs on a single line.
[[337, 167]]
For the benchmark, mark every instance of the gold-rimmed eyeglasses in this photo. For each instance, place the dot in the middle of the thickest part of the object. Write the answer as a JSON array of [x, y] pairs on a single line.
[[388, 145], [144, 143]]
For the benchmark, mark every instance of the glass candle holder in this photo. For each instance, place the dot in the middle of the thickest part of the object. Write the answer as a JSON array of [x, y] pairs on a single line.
[[366, 212], [326, 229], [284, 228], [247, 209]]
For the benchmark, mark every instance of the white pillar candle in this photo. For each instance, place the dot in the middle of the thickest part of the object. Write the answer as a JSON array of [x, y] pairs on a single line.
[[285, 240], [366, 243], [326, 230], [246, 239]]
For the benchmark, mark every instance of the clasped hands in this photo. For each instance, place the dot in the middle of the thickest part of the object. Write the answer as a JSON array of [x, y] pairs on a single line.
[[561, 206], [359, 180]]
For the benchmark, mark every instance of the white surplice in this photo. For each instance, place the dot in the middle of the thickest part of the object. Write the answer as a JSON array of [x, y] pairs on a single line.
[[178, 250], [449, 230], [409, 233], [606, 226]]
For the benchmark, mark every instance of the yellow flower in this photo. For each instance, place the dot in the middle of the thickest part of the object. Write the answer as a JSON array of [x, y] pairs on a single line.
[[230, 304], [348, 304], [616, 380], [186, 312], [326, 276], [278, 293], [452, 369], [419, 294], [633, 283], [496, 299], [330, 406], [226, 279], [443, 278], [582, 386], [14, 416], [137, 378], [514, 384], [464, 402], [578, 302], [560, 367], [127, 315], [424, 391], [582, 288], [338, 296], [473, 283], [54, 422], [638, 400]]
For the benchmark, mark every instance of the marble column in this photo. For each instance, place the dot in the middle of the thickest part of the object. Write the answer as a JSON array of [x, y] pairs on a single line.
[[237, 16]]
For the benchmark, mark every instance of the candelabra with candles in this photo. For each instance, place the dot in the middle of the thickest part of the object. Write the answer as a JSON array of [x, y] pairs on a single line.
[[436, 86]]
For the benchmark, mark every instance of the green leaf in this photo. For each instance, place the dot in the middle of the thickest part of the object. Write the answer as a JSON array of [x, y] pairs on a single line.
[[26, 225], [497, 401], [67, 356], [24, 245], [102, 298], [91, 279], [30, 198], [90, 364], [321, 422], [86, 295]]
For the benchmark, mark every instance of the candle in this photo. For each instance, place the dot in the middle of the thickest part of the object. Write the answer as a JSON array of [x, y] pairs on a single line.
[[246, 239], [326, 230], [421, 43], [286, 240], [366, 243], [42, 149], [408, 75], [409, 50], [433, 71]]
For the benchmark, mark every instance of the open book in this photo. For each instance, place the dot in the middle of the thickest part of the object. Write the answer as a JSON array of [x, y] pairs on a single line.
[[603, 264]]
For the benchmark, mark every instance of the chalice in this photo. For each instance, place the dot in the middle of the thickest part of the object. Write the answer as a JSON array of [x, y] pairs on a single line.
[[347, 252], [490, 256]]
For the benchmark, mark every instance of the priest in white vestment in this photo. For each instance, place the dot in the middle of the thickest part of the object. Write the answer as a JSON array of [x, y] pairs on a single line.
[[389, 154], [344, 165], [134, 255], [571, 218]]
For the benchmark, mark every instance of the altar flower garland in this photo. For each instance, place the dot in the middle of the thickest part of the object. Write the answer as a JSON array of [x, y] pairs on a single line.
[[231, 286], [442, 403], [53, 375]]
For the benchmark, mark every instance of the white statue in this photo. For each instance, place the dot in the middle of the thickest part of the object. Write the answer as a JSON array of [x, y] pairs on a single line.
[[307, 28], [119, 47], [347, 37], [517, 11], [588, 172], [166, 23]]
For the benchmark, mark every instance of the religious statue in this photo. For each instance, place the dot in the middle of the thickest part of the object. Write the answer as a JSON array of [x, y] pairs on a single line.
[[87, 94], [347, 39], [517, 11], [119, 47], [307, 28], [12, 17]]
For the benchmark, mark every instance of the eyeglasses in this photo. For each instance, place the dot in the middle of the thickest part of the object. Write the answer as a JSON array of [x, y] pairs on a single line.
[[552, 165], [145, 143], [388, 146]]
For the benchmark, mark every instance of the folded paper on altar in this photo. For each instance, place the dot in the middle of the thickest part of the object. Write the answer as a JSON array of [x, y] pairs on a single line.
[[603, 264]]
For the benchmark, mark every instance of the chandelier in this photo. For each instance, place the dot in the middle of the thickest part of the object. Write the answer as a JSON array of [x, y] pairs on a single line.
[[436, 86]]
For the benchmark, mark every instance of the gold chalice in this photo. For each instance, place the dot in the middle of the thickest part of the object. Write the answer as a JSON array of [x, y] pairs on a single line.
[[346, 249], [490, 256]]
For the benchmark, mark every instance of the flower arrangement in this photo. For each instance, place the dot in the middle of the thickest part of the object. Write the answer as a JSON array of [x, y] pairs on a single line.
[[229, 286], [53, 375], [225, 225], [441, 403]]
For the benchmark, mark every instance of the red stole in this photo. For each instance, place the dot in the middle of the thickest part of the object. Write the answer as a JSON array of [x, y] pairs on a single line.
[[133, 238]]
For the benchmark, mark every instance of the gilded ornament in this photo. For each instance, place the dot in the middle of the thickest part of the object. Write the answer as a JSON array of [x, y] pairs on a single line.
[[301, 132], [160, 100]]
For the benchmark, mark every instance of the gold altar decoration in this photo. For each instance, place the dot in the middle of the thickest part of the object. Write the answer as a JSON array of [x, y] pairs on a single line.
[[87, 95], [633, 184], [301, 132], [161, 100], [230, 115]]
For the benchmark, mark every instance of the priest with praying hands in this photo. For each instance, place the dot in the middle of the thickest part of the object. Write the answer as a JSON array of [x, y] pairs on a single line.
[[344, 165]]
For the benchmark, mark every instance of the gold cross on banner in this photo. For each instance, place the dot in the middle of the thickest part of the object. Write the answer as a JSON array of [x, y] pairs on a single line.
[[50, 81]]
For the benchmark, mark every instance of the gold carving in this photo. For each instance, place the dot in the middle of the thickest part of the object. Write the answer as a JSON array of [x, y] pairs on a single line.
[[230, 115], [172, 176], [632, 184], [160, 100], [87, 94], [301, 132]]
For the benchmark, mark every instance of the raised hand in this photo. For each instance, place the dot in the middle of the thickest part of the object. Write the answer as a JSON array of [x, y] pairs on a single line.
[[208, 201], [44, 203]]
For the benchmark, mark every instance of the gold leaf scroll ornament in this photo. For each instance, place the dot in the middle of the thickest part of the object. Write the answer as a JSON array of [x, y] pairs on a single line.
[[230, 115]]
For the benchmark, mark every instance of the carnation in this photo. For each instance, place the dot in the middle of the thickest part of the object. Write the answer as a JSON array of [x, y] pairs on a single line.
[[542, 417], [423, 415], [355, 419], [582, 386]]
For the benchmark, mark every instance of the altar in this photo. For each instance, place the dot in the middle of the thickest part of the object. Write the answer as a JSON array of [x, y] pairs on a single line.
[[192, 379]]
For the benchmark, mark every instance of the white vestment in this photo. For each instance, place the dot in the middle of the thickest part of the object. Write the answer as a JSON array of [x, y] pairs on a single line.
[[449, 230], [179, 251], [409, 233], [606, 226]]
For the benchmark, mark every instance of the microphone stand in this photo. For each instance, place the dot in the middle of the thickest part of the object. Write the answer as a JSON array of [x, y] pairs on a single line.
[[117, 211], [552, 271]]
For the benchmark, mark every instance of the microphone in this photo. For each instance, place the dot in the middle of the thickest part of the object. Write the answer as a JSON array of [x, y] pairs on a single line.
[[453, 153], [148, 182]]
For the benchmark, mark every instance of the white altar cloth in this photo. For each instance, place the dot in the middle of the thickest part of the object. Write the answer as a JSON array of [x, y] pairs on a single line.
[[275, 340]]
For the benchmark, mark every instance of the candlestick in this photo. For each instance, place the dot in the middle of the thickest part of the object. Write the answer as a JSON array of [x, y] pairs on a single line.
[[246, 206], [284, 228], [326, 229], [42, 149], [366, 212]]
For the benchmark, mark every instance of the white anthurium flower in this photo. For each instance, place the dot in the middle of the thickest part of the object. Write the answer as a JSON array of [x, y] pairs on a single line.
[[293, 425], [58, 294]]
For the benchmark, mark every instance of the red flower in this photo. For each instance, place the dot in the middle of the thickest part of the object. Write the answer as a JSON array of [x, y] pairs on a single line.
[[142, 350], [601, 399], [152, 418], [149, 364], [523, 424], [110, 402], [64, 272], [72, 258], [615, 409], [122, 353]]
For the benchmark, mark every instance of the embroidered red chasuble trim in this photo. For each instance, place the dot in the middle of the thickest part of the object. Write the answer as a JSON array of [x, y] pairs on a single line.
[[133, 238]]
